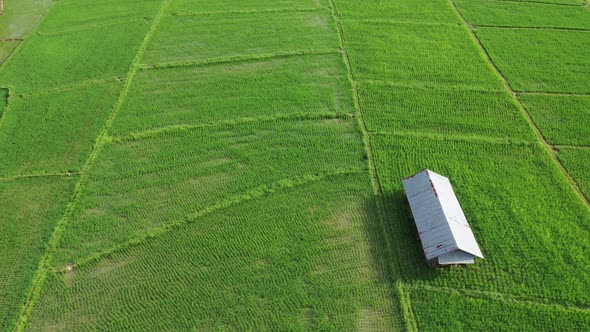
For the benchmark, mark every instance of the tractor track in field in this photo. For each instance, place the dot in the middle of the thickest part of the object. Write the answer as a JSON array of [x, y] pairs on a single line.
[[43, 267], [541, 138]]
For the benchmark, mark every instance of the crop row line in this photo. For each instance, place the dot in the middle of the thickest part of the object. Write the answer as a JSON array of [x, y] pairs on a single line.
[[89, 26], [408, 318], [303, 116], [398, 22], [237, 59], [512, 27], [547, 147], [250, 11], [456, 137], [257, 193], [44, 264], [40, 175], [504, 297], [542, 3]]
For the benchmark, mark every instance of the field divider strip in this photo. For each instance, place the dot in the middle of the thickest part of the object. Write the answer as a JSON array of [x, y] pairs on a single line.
[[508, 27], [43, 267], [257, 193], [237, 59], [547, 147], [455, 137], [422, 86], [250, 11], [40, 175], [89, 26], [82, 84], [543, 3], [570, 146], [383, 213], [504, 297], [5, 40], [310, 116], [556, 94]]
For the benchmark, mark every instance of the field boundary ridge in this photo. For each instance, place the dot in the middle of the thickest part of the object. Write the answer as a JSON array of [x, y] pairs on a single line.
[[236, 59]]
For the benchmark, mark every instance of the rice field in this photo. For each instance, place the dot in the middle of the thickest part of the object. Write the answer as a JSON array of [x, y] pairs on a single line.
[[236, 165]]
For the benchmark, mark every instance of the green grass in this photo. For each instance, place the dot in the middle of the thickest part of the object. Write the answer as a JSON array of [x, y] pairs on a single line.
[[189, 38], [28, 211], [390, 108], [21, 17], [576, 161], [207, 6], [46, 62], [68, 14], [144, 183], [54, 132], [458, 312], [522, 14], [220, 92], [561, 119], [306, 257], [434, 11], [540, 60], [416, 54]]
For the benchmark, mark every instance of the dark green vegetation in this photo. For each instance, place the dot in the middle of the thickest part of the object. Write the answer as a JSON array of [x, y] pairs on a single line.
[[237, 165]]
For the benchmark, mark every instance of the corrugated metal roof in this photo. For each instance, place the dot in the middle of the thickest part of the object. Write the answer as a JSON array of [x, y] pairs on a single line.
[[441, 223]]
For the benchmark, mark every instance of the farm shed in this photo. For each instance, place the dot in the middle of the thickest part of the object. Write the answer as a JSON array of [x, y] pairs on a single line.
[[444, 232]]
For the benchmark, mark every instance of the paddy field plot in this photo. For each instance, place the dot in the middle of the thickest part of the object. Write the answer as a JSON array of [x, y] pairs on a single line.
[[477, 313], [512, 14], [192, 95], [401, 11], [418, 54], [237, 165], [199, 37], [577, 163], [59, 138], [301, 257], [540, 60], [532, 227], [391, 108], [29, 211], [75, 14], [562, 119], [93, 53]]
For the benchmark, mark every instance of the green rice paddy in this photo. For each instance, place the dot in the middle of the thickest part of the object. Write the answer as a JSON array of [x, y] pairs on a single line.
[[237, 165]]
